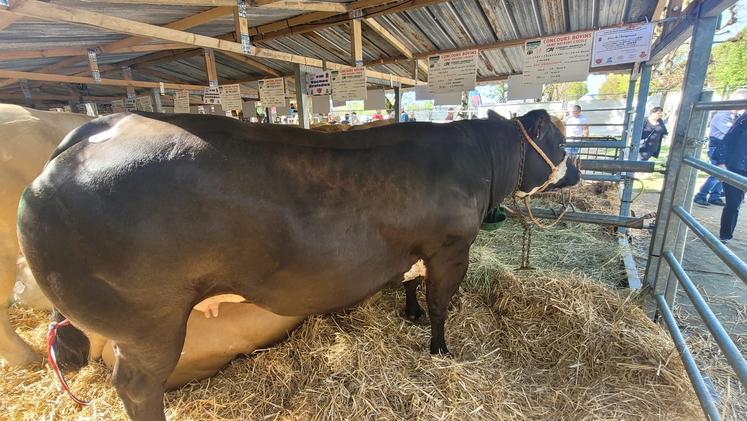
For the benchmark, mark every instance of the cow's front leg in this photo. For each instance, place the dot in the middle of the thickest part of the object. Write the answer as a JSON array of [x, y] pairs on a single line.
[[446, 270]]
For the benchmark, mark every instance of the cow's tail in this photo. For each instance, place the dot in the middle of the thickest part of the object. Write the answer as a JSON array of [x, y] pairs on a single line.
[[71, 345]]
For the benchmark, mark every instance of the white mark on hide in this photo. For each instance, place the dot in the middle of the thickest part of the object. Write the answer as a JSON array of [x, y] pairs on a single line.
[[103, 136]]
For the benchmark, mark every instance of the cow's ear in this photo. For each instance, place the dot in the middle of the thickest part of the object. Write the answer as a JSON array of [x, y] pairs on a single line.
[[492, 115]]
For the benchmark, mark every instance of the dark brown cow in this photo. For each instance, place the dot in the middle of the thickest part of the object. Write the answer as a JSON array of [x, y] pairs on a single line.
[[138, 217]]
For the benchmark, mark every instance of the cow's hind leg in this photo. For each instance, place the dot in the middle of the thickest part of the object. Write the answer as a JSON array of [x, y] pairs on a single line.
[[12, 348], [413, 311], [142, 367], [446, 270]]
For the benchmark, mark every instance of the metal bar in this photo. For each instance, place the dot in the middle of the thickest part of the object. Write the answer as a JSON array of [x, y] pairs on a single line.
[[593, 144], [640, 110], [704, 396], [688, 178], [602, 177], [628, 103], [595, 124], [631, 271], [737, 265], [737, 104], [695, 74], [734, 179], [591, 110], [588, 218], [731, 352], [616, 165], [607, 138]]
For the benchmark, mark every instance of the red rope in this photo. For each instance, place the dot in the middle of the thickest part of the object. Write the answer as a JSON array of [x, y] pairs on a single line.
[[52, 356]]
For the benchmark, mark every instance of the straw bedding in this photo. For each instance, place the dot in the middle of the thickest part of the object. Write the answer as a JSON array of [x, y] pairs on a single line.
[[554, 343]]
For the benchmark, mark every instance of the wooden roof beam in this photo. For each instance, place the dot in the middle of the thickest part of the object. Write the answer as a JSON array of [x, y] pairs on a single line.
[[394, 41], [48, 77], [6, 19], [40, 10], [321, 6]]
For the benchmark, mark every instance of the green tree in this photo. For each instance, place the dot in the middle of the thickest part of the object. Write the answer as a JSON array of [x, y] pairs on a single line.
[[615, 86], [728, 68], [569, 91]]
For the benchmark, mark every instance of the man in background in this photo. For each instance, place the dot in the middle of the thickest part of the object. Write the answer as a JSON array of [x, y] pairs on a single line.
[[712, 191], [576, 126]]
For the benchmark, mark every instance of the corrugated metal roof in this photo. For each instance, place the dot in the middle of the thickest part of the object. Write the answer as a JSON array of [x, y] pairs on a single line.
[[445, 25]]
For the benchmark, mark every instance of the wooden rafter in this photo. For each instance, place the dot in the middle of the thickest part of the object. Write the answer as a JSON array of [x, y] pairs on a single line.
[[210, 68], [6, 19], [79, 52], [254, 64], [36, 9], [394, 41], [321, 6], [356, 43], [48, 77]]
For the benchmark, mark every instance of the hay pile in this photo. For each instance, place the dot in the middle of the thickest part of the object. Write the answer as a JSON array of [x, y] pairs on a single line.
[[529, 347], [599, 197]]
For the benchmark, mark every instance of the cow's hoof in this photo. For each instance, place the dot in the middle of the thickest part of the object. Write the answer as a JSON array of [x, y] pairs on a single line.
[[413, 315], [439, 349]]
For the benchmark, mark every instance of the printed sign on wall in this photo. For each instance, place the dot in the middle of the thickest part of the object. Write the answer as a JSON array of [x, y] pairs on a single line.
[[144, 103], [118, 106], [211, 95], [181, 101], [518, 89], [272, 92], [560, 58], [319, 83], [349, 84], [625, 44], [452, 72], [230, 97]]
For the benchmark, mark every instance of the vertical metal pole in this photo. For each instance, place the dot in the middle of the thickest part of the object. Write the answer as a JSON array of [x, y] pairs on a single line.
[[664, 235], [633, 137], [627, 193], [687, 179], [628, 107], [302, 100]]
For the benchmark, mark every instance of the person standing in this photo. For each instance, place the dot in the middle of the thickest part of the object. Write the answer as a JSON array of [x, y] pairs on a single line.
[[733, 153], [404, 117], [576, 126], [654, 131], [712, 191]]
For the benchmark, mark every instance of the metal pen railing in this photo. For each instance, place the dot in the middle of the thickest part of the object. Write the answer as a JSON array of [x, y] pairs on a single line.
[[669, 242]]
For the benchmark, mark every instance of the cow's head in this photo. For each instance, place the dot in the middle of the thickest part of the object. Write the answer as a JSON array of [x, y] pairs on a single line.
[[547, 134]]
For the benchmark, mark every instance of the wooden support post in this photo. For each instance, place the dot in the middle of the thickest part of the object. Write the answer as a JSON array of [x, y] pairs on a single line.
[[212, 71], [302, 100], [157, 105], [356, 42], [127, 75], [241, 26]]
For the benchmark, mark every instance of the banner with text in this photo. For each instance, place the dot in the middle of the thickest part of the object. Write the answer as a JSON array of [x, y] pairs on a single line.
[[118, 106], [319, 83], [560, 58], [349, 84], [452, 72], [625, 44], [272, 92]]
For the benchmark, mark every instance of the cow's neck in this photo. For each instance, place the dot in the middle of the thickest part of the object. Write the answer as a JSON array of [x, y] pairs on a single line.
[[505, 151]]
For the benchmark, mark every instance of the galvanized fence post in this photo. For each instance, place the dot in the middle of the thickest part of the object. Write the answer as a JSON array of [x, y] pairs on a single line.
[[695, 73], [686, 185]]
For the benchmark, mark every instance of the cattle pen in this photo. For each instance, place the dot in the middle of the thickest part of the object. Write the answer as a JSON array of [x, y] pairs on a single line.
[[592, 330]]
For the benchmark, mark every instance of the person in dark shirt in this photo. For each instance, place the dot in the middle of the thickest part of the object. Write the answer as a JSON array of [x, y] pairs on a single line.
[[654, 131], [733, 153]]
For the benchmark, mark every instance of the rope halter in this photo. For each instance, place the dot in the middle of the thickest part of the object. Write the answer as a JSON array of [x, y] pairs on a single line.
[[557, 172]]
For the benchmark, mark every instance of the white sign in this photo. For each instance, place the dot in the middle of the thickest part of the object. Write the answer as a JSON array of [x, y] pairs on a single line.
[[130, 104], [181, 101], [144, 103], [321, 104], [272, 92], [118, 106], [625, 44], [349, 84], [162, 88], [376, 100], [319, 83], [518, 89], [93, 64], [560, 58], [230, 97], [449, 98], [452, 72], [211, 95]]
